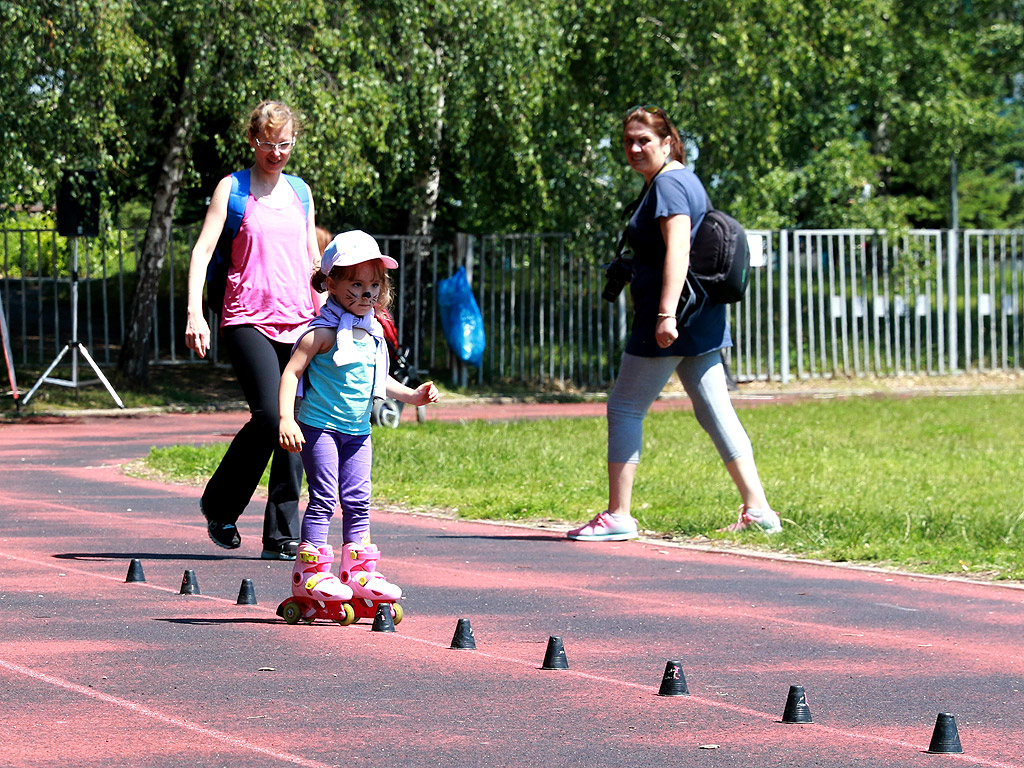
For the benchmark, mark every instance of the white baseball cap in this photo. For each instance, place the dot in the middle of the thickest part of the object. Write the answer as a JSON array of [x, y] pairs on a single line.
[[350, 248]]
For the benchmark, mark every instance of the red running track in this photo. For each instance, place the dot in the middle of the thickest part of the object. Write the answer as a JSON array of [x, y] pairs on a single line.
[[99, 672]]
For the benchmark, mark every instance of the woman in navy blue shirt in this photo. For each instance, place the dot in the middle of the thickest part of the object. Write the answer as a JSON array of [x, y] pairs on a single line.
[[660, 233]]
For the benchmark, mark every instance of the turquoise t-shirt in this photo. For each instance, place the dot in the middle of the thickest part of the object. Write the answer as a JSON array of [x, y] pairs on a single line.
[[340, 398]]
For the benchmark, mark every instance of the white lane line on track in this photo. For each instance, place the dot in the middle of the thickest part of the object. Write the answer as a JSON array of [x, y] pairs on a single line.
[[126, 518], [896, 607], [153, 714], [839, 732], [736, 708]]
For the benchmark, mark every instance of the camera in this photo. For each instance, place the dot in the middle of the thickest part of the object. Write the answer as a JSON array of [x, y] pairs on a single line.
[[617, 274]]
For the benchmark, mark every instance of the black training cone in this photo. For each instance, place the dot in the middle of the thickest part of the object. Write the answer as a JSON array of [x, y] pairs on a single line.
[[673, 682], [246, 594], [555, 656], [945, 737], [189, 585], [796, 710], [463, 639], [383, 621], [135, 571]]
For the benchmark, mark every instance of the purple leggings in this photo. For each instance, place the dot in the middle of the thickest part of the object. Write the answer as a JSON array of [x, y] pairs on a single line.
[[337, 470]]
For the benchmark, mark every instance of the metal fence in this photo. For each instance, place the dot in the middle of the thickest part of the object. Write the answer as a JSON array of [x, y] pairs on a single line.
[[853, 303], [821, 303]]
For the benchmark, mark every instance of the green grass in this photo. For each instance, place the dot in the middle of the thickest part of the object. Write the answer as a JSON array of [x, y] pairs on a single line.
[[930, 484], [183, 386]]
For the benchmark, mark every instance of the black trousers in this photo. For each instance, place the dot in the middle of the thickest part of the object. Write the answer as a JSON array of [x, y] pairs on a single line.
[[258, 363]]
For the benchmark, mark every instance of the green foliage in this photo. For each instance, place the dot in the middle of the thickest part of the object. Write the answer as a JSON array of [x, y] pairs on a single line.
[[795, 105], [988, 200], [955, 65], [31, 247], [67, 68], [513, 108]]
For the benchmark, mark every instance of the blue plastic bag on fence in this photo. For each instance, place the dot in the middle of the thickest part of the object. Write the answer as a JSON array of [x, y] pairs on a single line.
[[461, 320]]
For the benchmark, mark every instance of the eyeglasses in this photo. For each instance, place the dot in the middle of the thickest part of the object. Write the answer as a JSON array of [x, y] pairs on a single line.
[[650, 108], [284, 147]]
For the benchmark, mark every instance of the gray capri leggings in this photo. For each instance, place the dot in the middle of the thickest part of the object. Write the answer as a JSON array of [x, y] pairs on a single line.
[[639, 383]]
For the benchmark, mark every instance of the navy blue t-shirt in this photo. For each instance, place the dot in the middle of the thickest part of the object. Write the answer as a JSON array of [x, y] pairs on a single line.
[[677, 191]]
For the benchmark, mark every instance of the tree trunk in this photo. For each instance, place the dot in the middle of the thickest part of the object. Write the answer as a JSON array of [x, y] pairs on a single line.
[[881, 144], [424, 207], [423, 211], [428, 185], [133, 363]]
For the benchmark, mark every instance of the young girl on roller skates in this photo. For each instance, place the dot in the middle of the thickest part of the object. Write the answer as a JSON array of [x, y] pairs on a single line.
[[341, 364]]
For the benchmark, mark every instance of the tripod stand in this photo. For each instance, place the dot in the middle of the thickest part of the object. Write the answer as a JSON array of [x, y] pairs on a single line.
[[5, 337], [75, 347]]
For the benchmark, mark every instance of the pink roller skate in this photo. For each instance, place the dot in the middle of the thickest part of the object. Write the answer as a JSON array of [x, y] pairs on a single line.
[[316, 592], [370, 588]]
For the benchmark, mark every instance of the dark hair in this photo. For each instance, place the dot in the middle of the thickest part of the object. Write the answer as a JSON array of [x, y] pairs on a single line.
[[323, 238], [656, 119], [319, 280]]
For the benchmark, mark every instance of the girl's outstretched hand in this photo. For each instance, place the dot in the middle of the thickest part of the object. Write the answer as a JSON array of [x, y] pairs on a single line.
[[426, 394]]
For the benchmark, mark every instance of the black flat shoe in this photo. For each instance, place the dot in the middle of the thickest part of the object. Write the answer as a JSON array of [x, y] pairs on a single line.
[[284, 550]]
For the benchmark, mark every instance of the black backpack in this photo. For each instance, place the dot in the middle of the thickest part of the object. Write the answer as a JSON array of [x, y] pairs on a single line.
[[720, 257]]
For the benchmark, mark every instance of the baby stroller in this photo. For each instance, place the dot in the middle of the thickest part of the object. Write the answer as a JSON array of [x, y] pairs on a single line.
[[388, 412]]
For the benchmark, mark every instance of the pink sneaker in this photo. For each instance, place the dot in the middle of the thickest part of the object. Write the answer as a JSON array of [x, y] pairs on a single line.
[[765, 519], [606, 527]]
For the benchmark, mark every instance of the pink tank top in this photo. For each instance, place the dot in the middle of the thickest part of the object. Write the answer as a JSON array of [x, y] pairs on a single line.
[[268, 282]]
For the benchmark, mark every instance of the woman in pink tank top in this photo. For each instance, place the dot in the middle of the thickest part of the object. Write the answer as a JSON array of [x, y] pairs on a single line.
[[267, 301]]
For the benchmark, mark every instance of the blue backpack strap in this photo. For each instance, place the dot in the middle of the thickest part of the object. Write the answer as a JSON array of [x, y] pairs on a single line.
[[236, 201], [217, 269], [301, 190]]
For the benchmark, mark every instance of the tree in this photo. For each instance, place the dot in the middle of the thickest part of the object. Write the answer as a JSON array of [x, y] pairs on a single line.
[[800, 106], [467, 82], [63, 68], [131, 88], [953, 63], [483, 116], [213, 61]]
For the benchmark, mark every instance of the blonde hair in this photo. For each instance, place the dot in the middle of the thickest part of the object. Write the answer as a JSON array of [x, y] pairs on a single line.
[[380, 272], [270, 116]]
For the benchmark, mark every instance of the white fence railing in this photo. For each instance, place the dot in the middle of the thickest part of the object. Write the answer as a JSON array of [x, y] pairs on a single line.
[[821, 303]]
